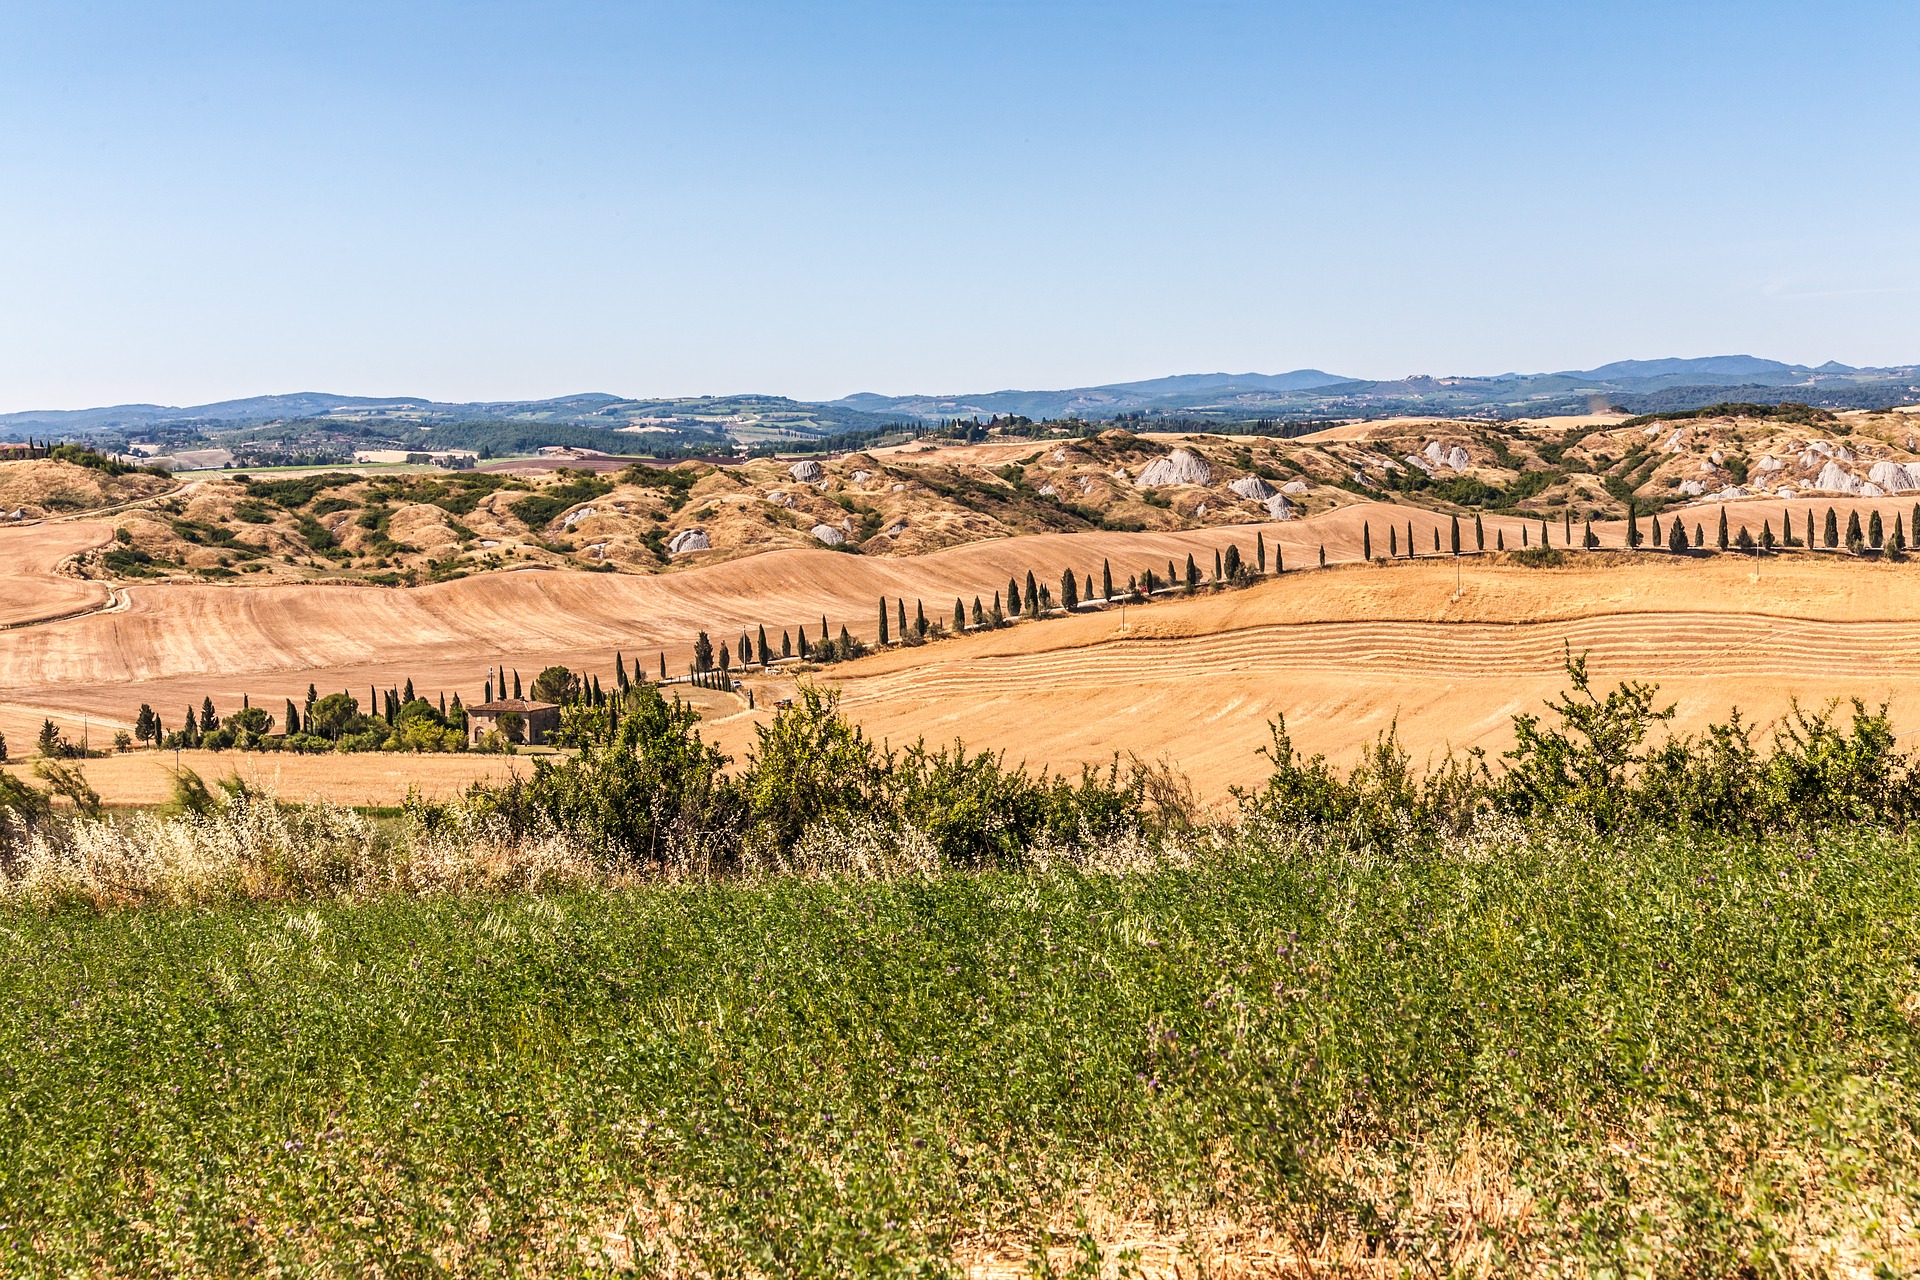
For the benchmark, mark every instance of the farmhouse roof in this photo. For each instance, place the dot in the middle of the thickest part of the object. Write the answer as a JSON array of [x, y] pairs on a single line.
[[514, 704]]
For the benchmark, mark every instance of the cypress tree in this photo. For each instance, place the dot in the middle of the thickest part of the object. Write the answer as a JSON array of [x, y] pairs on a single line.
[[1366, 542], [1832, 530], [1033, 595], [1454, 534], [1721, 540], [1566, 530], [407, 696], [1436, 539], [488, 695], [1810, 542], [1899, 534], [1677, 537], [883, 619], [1588, 539], [1523, 534], [1393, 542], [1543, 531], [1260, 550], [999, 618], [825, 636], [1499, 539], [1633, 527], [1323, 555], [1699, 535], [1173, 579], [1087, 593], [291, 723], [208, 720], [1854, 538], [1193, 573], [726, 659], [1278, 566], [786, 645], [516, 682], [1479, 534], [313, 696], [1766, 535], [979, 614], [443, 703], [1411, 552], [663, 667], [745, 650], [1235, 566], [1013, 598], [1069, 591], [1216, 566], [1914, 524], [959, 617], [620, 671], [1876, 532], [903, 617], [1106, 580], [599, 698], [766, 654], [192, 730], [702, 659], [919, 619], [803, 645], [846, 642], [1745, 540]]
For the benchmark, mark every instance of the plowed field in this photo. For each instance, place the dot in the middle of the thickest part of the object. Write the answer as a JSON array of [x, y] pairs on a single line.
[[1448, 648]]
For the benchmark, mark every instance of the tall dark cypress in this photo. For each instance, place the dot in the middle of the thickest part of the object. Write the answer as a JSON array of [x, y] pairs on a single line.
[[1366, 541], [1833, 528], [1013, 597], [1720, 540], [1106, 577], [1453, 534], [1033, 595], [959, 617], [1479, 533], [883, 620], [1260, 550]]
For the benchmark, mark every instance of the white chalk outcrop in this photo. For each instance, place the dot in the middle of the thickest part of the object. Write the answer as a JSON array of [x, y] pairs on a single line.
[[807, 472], [573, 518], [1896, 477], [1278, 508], [1182, 466], [1834, 479], [829, 535], [1441, 456], [1295, 486], [689, 540], [1253, 488]]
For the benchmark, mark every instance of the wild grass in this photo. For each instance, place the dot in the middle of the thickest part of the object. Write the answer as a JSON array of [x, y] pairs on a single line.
[[1518, 1051]]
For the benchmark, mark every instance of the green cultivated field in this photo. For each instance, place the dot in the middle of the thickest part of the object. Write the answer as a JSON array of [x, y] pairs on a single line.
[[1662, 1054]]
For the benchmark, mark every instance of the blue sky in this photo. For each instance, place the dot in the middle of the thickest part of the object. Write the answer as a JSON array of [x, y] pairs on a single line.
[[489, 200]]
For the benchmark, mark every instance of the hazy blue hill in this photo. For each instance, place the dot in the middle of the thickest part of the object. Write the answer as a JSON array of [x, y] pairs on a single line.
[[1701, 371]]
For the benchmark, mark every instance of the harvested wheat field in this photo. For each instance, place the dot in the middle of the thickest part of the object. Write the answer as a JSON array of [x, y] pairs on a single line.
[[368, 778], [1343, 654], [31, 587]]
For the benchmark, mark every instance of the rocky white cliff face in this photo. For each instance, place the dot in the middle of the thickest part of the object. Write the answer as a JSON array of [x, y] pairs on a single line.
[[688, 540], [1253, 488], [1182, 466]]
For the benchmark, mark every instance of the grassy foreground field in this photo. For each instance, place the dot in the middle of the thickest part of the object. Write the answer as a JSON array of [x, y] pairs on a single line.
[[1661, 1055]]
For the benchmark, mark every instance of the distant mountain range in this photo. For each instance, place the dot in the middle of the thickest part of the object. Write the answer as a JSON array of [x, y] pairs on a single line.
[[1635, 385], [1638, 386]]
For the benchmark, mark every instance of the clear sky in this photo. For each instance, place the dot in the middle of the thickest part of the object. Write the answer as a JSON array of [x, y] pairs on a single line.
[[493, 200]]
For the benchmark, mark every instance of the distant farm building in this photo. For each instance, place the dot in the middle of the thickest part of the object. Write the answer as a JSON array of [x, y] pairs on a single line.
[[537, 720]]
